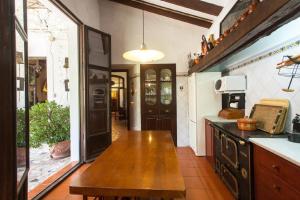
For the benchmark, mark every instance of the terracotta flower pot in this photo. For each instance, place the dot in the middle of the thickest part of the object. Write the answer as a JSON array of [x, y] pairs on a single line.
[[60, 150]]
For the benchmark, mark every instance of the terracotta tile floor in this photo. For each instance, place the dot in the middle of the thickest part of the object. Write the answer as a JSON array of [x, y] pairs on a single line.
[[200, 180]]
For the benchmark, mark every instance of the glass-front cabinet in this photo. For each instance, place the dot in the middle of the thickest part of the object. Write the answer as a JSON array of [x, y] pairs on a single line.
[[158, 97]]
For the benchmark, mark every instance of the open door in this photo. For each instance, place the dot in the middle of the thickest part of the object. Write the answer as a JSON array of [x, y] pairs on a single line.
[[98, 75]]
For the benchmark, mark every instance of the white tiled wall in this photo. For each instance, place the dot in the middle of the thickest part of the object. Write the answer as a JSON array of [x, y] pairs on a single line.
[[263, 82]]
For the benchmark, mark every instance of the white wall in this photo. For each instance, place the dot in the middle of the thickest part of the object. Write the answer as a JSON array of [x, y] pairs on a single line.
[[86, 10], [263, 80], [176, 39]]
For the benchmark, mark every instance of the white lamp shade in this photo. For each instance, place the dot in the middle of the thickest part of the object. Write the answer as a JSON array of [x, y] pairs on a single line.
[[143, 55]]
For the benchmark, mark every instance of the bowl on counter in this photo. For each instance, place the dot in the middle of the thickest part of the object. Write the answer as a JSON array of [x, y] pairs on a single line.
[[247, 124]]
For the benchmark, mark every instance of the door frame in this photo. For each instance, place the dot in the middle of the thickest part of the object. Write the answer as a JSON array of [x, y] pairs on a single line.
[[8, 104], [128, 93]]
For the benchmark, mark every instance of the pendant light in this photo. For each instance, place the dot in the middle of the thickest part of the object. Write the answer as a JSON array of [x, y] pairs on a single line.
[[143, 54]]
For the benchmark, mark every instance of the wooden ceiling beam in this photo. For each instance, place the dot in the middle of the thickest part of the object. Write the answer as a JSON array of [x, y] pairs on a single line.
[[206, 23], [197, 5]]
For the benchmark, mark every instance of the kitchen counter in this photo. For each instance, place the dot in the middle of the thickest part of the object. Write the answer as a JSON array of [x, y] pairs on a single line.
[[281, 147], [219, 119]]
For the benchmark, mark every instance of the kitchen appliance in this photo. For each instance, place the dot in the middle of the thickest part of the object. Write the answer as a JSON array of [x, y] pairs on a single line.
[[294, 136], [233, 163], [233, 106], [231, 84], [203, 101]]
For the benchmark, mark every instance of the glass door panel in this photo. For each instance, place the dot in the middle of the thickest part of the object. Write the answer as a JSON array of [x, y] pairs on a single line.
[[150, 87], [165, 86], [165, 75], [19, 11], [98, 51], [21, 124], [166, 93]]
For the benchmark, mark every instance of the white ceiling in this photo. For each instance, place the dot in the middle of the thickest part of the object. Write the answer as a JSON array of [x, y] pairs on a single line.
[[187, 10]]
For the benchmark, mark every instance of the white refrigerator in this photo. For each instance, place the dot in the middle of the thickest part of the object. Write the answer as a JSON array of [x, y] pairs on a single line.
[[203, 101]]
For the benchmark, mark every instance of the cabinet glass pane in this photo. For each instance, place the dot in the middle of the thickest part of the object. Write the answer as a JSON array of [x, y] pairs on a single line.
[[150, 75], [150, 93], [21, 107], [150, 87], [165, 75], [98, 49], [166, 93]]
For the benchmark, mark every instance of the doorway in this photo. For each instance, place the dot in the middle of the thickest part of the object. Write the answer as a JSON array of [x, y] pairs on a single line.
[[120, 102], [53, 94]]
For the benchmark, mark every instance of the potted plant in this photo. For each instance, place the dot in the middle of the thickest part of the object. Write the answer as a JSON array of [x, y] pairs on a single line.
[[21, 143], [50, 124]]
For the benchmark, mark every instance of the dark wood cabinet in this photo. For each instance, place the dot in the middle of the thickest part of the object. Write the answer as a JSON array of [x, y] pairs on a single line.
[[274, 177], [209, 143], [158, 98]]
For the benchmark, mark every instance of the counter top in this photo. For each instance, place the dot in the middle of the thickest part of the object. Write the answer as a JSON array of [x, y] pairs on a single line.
[[219, 119], [232, 129], [281, 147]]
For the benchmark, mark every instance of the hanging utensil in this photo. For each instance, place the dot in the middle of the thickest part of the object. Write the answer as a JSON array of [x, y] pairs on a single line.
[[289, 68]]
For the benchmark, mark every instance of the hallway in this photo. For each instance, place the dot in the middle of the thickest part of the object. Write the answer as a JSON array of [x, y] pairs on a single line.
[[118, 127]]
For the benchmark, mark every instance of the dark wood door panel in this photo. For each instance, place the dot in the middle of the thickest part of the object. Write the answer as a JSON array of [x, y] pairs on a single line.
[[150, 122], [97, 121], [165, 123], [96, 144]]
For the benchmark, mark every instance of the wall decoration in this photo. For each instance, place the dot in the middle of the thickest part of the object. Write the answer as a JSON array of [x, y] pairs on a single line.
[[234, 14]]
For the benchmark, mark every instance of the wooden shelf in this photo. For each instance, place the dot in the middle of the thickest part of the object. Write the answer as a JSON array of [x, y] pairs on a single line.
[[268, 16]]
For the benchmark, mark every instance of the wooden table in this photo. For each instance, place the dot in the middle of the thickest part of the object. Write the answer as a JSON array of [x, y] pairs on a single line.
[[139, 164]]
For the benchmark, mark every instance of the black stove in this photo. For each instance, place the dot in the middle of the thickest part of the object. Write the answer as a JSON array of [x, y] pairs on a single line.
[[233, 157]]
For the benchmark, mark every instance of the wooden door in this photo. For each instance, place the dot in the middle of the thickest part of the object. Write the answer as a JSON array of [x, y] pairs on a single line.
[[167, 99], [149, 98], [98, 76]]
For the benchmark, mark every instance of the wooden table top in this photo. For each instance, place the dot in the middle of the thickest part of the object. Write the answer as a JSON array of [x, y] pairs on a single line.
[[138, 164]]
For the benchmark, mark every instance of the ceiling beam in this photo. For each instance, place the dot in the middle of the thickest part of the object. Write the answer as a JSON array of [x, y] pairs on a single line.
[[197, 5], [199, 21]]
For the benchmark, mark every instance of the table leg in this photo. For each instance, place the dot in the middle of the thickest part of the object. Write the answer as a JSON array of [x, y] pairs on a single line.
[[84, 197]]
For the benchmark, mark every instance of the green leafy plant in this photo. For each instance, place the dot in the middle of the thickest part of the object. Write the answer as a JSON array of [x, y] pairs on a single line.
[[21, 126], [49, 123]]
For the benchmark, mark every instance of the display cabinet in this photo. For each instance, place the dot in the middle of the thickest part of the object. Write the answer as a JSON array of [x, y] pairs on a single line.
[[158, 97]]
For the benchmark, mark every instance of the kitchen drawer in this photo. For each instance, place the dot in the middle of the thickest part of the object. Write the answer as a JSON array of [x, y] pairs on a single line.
[[278, 166], [269, 186]]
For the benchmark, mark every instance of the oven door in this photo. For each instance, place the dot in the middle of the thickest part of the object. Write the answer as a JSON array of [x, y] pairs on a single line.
[[230, 181], [229, 151]]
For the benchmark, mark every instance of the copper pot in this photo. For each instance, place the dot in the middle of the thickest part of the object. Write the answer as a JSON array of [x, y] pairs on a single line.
[[247, 124]]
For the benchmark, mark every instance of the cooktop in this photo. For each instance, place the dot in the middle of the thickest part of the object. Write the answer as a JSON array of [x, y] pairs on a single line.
[[232, 129]]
